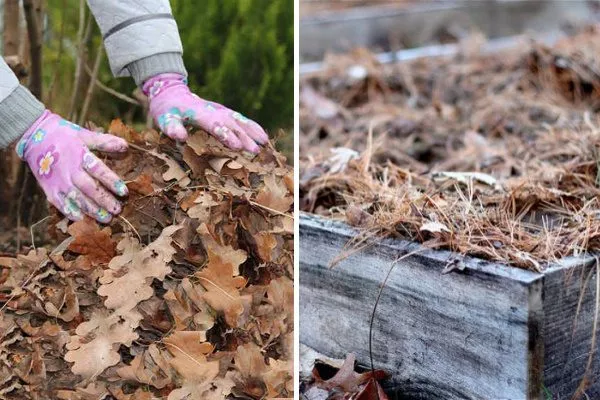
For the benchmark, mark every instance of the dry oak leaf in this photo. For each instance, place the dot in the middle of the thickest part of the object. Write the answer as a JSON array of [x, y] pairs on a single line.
[[278, 377], [139, 394], [129, 277], [220, 278], [217, 389], [189, 356], [274, 195], [94, 391], [265, 244], [222, 289], [57, 256], [22, 268], [95, 345], [250, 362], [227, 254], [142, 185], [95, 244], [346, 378], [277, 317], [118, 128], [144, 370], [186, 304], [69, 307], [175, 172], [202, 206]]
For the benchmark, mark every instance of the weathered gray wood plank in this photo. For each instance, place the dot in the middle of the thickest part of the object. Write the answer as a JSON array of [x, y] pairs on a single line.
[[567, 350], [490, 331], [456, 336], [376, 27]]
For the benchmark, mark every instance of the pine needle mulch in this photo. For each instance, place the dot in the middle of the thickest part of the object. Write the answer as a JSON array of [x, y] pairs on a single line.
[[494, 156]]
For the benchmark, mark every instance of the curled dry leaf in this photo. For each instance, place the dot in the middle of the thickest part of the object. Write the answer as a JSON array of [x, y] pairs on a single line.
[[347, 379]]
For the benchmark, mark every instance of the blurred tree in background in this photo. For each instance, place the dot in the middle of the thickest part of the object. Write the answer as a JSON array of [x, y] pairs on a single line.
[[238, 52]]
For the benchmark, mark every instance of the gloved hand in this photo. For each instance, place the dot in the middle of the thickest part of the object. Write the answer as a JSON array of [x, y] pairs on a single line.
[[173, 106], [73, 178]]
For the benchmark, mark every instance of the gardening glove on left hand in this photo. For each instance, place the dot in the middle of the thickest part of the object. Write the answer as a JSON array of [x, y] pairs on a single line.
[[73, 178], [173, 106]]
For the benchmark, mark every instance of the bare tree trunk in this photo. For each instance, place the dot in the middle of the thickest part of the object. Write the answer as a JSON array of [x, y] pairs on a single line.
[[9, 162], [29, 205], [32, 9], [11, 27]]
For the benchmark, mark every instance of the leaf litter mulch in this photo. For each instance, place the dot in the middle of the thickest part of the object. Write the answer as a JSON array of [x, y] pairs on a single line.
[[493, 155], [187, 295]]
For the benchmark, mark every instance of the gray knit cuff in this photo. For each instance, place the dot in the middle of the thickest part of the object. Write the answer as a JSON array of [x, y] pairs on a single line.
[[145, 68], [18, 112]]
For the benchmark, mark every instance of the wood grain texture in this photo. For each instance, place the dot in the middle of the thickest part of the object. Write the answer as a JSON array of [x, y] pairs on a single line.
[[487, 332], [568, 333]]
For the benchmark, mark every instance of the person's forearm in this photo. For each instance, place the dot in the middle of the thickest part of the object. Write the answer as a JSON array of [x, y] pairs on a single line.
[[19, 109], [141, 37]]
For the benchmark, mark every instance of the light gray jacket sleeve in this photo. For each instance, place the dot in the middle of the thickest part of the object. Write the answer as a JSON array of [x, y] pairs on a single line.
[[19, 109], [140, 36]]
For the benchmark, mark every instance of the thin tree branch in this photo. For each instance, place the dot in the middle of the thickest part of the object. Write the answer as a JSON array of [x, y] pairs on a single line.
[[112, 91], [59, 56], [92, 85], [84, 39]]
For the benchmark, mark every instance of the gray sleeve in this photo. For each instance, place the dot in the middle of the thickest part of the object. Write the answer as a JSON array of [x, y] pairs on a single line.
[[19, 109], [140, 36]]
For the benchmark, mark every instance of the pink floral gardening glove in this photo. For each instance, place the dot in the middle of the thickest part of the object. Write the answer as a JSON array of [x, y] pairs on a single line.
[[73, 178], [173, 106]]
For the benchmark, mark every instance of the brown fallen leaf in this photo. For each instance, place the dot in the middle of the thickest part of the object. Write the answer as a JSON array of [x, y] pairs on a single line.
[[129, 277], [372, 391], [142, 185], [275, 195], [222, 288], [346, 378], [95, 345], [92, 242], [143, 369], [220, 280], [118, 128], [217, 389], [189, 356]]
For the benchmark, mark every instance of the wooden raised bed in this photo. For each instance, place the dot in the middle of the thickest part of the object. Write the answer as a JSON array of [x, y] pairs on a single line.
[[409, 24], [489, 331]]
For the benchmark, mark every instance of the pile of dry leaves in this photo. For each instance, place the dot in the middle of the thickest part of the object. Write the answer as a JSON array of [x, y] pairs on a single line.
[[490, 155], [187, 295]]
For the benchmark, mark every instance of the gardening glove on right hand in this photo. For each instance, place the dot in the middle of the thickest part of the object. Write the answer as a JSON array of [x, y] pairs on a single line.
[[73, 178], [173, 106]]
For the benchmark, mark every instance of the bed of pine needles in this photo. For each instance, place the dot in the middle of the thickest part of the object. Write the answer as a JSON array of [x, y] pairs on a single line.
[[495, 156], [188, 294]]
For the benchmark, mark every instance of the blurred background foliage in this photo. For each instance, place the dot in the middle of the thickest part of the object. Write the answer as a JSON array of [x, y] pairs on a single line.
[[238, 52]]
